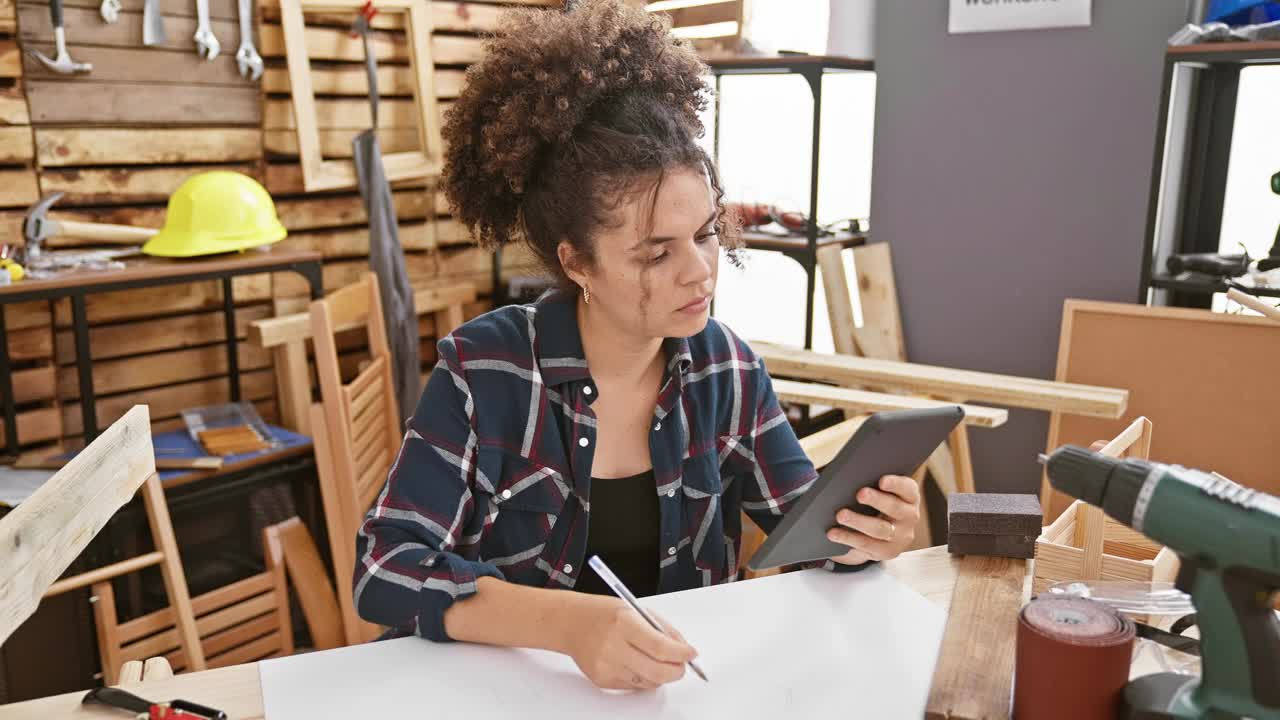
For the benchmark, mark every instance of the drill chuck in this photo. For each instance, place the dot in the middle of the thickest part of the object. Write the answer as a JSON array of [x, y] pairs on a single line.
[[1106, 482]]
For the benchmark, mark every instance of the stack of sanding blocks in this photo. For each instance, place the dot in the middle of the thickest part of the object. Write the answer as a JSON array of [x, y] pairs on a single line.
[[999, 524]]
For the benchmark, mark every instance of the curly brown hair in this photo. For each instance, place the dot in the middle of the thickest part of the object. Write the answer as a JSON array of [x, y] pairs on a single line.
[[567, 114]]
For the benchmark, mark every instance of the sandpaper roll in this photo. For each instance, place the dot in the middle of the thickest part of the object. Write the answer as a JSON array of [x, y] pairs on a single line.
[[1072, 660]]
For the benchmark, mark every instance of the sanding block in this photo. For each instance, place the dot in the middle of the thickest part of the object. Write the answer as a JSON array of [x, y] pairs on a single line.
[[995, 524]]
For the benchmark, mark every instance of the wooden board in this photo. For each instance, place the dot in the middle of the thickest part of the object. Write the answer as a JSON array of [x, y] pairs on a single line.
[[34, 384], [58, 147], [36, 426], [335, 44], [169, 401], [973, 679], [354, 242], [218, 9], [18, 187], [117, 185], [10, 59], [349, 114], [157, 369], [337, 143], [85, 26], [1202, 378], [144, 302], [448, 16], [348, 79], [285, 178], [13, 107], [154, 335], [140, 65], [16, 145], [328, 211], [140, 104], [862, 401]]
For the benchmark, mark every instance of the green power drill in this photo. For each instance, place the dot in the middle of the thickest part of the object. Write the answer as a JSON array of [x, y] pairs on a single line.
[[1228, 539]]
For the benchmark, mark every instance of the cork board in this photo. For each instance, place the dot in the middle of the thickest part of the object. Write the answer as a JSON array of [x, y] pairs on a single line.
[[1206, 380]]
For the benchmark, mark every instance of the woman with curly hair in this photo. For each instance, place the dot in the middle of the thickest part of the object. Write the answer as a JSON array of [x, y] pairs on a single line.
[[612, 416]]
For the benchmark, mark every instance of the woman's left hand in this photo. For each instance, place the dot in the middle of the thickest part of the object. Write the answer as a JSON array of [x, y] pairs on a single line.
[[883, 537]]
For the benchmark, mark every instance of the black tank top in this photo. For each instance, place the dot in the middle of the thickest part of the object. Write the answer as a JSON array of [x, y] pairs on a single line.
[[623, 530]]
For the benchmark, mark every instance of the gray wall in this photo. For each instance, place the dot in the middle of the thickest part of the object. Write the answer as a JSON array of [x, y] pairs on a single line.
[[1011, 172]]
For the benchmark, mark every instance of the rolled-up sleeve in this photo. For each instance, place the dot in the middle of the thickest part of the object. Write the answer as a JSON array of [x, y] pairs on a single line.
[[410, 564], [781, 471]]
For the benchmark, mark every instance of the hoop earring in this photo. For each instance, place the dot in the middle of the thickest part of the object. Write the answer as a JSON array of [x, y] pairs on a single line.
[[586, 295]]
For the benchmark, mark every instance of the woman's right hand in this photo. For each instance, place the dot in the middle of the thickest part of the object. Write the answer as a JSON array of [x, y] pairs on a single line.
[[616, 649]]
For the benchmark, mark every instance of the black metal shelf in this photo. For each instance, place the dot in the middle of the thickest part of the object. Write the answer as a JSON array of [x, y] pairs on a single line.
[[1189, 283], [802, 249], [1245, 53]]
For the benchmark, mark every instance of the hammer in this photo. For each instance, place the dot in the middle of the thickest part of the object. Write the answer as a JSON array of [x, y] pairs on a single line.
[[39, 230], [63, 64]]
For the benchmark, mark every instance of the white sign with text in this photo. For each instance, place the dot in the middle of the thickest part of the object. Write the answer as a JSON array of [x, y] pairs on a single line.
[[968, 16]]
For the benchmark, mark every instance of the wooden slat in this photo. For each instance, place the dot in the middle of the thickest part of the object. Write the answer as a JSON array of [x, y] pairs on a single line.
[[13, 105], [362, 383], [18, 187], [113, 341], [107, 572], [37, 425], [10, 59], [336, 144], [335, 44], [344, 114], [135, 185], [880, 335], [285, 178], [726, 11], [361, 404], [821, 447], [140, 65], [310, 582], [104, 146], [140, 104], [393, 80], [330, 211], [16, 144], [973, 679], [228, 639], [8, 16], [367, 423], [218, 9], [141, 303], [373, 473], [257, 650], [154, 622], [30, 344], [937, 381], [46, 532], [32, 384], [84, 25], [368, 452], [171, 400], [448, 16], [864, 401], [206, 626], [157, 369]]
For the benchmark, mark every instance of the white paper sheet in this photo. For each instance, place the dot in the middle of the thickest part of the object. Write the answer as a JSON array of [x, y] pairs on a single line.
[[798, 645]]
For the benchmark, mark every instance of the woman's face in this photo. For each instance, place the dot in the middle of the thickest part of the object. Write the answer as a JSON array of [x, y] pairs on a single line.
[[654, 274]]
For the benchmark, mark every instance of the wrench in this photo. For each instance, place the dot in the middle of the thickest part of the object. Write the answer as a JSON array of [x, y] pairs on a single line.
[[207, 45], [110, 11], [247, 57]]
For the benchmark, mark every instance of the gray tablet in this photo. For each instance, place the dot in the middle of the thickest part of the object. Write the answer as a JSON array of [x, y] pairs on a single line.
[[888, 443]]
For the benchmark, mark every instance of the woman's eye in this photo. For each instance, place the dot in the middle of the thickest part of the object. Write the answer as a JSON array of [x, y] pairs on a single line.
[[704, 238], [658, 258]]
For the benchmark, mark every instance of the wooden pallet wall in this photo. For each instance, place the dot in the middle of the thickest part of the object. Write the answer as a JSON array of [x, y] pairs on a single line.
[[119, 140]]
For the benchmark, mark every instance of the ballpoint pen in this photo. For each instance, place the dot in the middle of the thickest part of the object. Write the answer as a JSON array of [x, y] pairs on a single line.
[[621, 591]]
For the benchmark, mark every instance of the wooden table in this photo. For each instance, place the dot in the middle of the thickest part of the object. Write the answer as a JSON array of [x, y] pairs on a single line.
[[238, 691], [140, 273]]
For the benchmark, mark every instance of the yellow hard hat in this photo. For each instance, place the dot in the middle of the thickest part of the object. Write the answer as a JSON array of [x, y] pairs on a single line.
[[216, 212]]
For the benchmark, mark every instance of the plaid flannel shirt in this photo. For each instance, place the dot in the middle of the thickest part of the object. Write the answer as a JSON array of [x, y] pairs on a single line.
[[494, 475]]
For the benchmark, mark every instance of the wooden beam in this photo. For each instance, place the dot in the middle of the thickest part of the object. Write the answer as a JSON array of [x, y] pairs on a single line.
[[821, 447], [337, 44], [13, 107], [141, 104], [139, 64], [336, 144], [393, 80], [10, 59], [45, 533], [835, 285], [880, 334], [36, 426], [15, 146], [973, 679], [135, 185], [863, 401], [218, 9], [157, 369], [113, 146], [449, 16], [169, 401], [354, 242], [285, 178], [84, 24], [344, 114], [18, 188], [931, 380], [315, 212]]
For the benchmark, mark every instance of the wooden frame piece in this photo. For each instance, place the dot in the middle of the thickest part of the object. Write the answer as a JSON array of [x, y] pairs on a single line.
[[864, 401], [321, 174], [290, 541]]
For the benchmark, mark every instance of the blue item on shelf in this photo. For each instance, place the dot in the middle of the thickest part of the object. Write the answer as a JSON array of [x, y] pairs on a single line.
[[1242, 12]]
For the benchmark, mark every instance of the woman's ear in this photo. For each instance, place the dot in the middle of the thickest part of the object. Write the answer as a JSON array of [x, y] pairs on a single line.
[[571, 262]]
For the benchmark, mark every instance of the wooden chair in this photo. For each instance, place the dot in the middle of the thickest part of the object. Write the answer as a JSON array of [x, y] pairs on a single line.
[[306, 572], [356, 431], [242, 622], [45, 533]]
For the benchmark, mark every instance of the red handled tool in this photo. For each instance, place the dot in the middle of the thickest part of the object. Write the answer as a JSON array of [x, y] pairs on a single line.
[[147, 710]]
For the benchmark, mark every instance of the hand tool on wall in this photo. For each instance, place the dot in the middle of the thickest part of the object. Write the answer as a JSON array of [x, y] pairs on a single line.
[[1225, 536], [110, 11], [40, 231], [153, 24], [207, 45], [63, 63], [247, 57]]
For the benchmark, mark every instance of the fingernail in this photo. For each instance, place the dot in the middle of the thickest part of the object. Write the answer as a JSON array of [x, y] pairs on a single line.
[[865, 495], [831, 536]]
